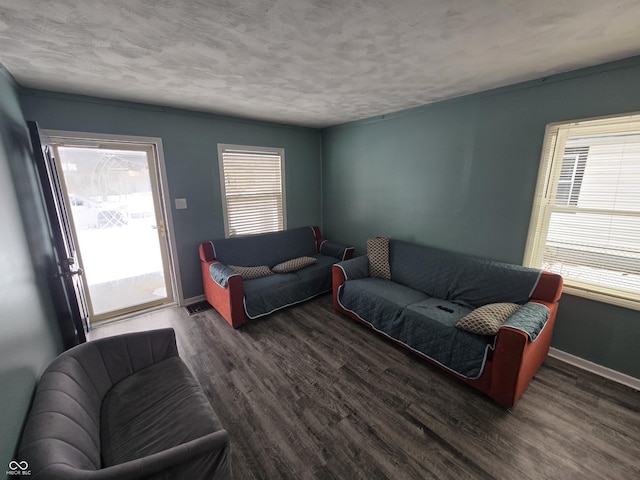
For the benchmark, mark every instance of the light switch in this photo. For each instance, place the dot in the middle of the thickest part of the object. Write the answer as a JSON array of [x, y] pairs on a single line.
[[181, 203]]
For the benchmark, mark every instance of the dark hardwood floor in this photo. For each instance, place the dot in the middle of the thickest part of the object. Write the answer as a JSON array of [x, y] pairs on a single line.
[[308, 394]]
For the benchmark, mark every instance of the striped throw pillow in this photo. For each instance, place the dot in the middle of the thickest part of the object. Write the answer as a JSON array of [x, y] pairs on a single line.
[[251, 273], [294, 264], [378, 255], [488, 319]]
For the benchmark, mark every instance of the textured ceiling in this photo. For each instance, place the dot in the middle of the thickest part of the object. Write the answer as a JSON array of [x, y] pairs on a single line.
[[305, 62]]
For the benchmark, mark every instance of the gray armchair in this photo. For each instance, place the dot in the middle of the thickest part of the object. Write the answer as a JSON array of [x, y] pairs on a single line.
[[123, 407]]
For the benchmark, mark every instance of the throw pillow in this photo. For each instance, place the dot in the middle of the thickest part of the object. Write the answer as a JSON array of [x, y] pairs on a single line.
[[251, 273], [294, 264], [378, 255], [488, 319]]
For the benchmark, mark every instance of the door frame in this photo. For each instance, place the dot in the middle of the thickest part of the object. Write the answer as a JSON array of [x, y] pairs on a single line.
[[64, 280], [85, 139]]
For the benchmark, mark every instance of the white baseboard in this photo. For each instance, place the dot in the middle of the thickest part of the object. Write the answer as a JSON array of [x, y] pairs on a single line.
[[189, 301], [605, 372]]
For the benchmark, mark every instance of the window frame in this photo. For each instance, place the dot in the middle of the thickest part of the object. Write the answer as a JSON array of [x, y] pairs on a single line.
[[544, 204], [225, 148]]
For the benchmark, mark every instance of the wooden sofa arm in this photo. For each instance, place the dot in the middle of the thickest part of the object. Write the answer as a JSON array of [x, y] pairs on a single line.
[[549, 288], [516, 359], [229, 300], [352, 268], [337, 280], [336, 250]]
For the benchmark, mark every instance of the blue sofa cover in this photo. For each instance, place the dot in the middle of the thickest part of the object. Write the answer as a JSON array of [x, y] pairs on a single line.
[[429, 291], [265, 295]]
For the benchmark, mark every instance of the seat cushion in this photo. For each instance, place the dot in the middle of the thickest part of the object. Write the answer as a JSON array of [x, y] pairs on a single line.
[[157, 408], [268, 294], [438, 310], [377, 300], [316, 278], [386, 290], [426, 329]]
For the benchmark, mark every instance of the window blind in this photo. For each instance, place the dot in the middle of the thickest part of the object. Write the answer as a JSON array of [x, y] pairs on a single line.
[[586, 218], [252, 186]]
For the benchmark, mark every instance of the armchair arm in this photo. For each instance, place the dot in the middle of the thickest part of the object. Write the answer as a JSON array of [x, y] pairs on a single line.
[[349, 269], [355, 268], [227, 300], [516, 359], [337, 250], [531, 318], [207, 252], [215, 443], [549, 287], [220, 273]]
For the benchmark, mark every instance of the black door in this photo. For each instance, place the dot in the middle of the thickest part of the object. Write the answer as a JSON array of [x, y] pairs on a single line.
[[65, 280]]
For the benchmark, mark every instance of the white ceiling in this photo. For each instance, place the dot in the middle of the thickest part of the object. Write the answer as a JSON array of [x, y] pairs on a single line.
[[305, 62]]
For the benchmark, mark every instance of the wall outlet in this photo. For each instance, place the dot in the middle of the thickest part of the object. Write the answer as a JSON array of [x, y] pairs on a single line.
[[181, 203]]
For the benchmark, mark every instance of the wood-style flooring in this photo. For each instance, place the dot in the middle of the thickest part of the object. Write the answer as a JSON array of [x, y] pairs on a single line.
[[308, 394]]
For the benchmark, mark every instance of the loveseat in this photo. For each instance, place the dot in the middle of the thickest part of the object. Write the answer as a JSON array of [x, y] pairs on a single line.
[[250, 276], [423, 299], [123, 407]]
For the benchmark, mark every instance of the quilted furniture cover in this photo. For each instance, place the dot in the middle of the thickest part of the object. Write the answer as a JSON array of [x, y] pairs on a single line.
[[238, 299], [123, 407], [431, 289]]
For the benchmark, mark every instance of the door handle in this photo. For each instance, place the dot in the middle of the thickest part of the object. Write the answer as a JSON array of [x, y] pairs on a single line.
[[71, 273]]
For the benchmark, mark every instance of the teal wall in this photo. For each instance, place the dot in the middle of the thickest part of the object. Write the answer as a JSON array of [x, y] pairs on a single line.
[[190, 151], [28, 331], [458, 174], [461, 175]]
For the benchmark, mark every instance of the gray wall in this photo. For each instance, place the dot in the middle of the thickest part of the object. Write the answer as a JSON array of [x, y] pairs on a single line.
[[461, 175], [28, 331], [190, 150]]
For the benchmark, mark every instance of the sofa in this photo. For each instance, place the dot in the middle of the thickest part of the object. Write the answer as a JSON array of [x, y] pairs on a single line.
[[123, 407], [487, 323], [250, 276]]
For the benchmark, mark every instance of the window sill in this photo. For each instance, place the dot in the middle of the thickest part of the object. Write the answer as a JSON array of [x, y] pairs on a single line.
[[583, 292]]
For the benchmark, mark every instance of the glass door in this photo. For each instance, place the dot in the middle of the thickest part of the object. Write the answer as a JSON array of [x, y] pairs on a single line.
[[113, 196]]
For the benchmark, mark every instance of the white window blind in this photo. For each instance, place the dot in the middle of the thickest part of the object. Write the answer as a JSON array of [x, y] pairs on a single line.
[[252, 187], [586, 217]]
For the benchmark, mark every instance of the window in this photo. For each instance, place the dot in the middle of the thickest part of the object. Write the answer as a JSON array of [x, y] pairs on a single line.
[[586, 216], [252, 181], [571, 173]]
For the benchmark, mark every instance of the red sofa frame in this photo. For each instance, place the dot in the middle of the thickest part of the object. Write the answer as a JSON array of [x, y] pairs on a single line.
[[229, 301], [510, 367]]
